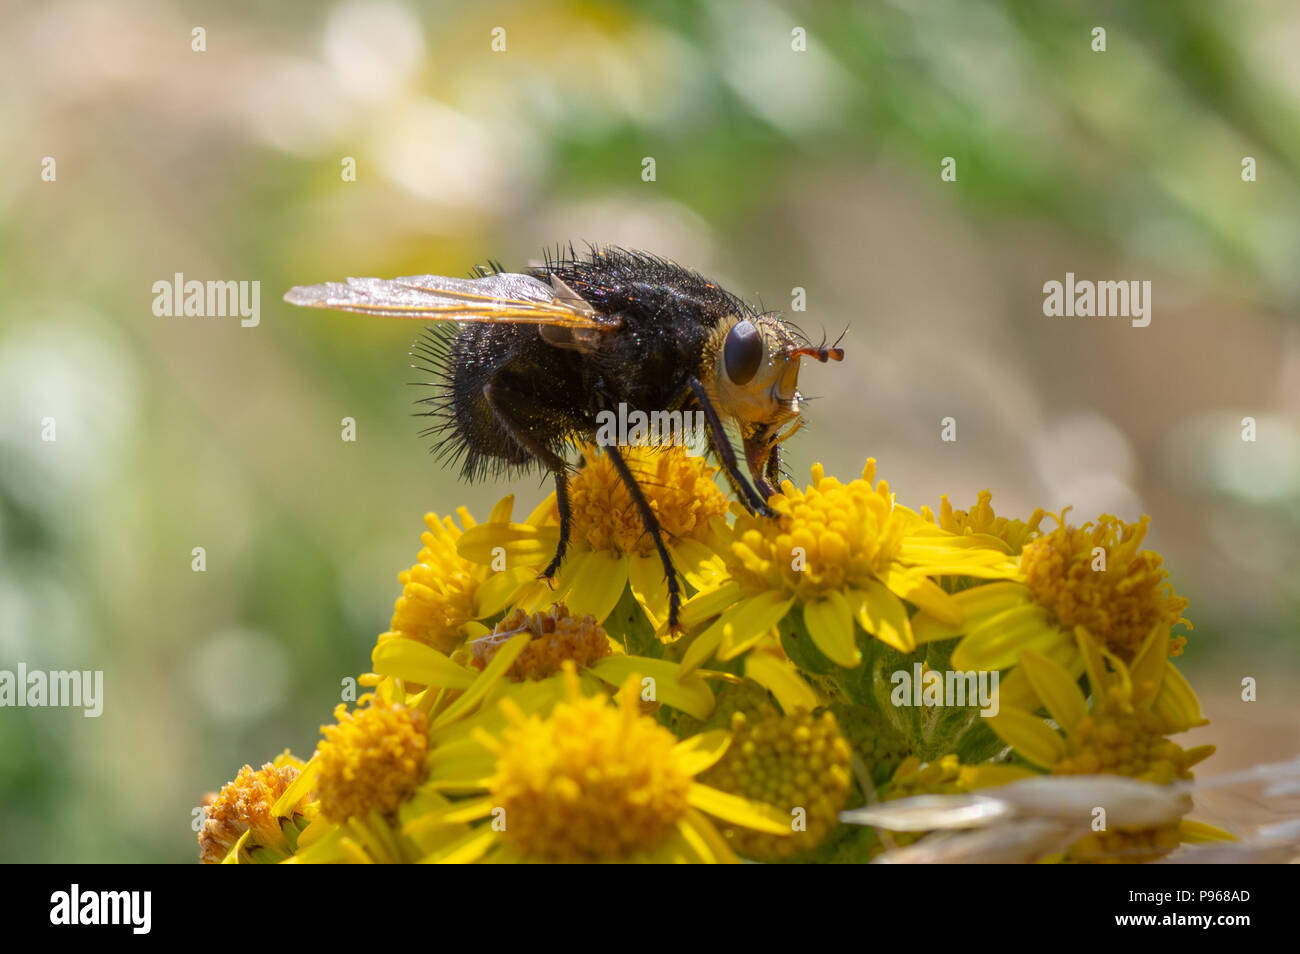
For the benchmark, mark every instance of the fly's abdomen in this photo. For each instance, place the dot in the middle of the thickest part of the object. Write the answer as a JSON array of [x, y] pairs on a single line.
[[492, 402]]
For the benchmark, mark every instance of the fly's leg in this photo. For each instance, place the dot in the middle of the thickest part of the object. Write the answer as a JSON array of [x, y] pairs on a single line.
[[554, 463], [566, 523], [727, 454], [773, 470], [651, 524]]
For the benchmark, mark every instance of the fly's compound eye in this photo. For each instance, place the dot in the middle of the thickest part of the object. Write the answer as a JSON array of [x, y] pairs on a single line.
[[743, 352]]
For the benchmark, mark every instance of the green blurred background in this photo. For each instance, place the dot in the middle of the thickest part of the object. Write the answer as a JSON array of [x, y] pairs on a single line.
[[775, 168]]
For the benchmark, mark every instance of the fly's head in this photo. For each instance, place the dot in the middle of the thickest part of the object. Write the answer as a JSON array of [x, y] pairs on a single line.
[[751, 370]]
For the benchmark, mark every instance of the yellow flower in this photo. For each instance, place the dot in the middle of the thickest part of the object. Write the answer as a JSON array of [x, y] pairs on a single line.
[[1134, 708], [799, 764], [390, 760], [846, 553], [947, 776], [873, 738], [608, 546], [240, 822], [1117, 603], [595, 782], [980, 521], [443, 592], [371, 759], [539, 644], [1094, 576], [557, 636], [539, 738]]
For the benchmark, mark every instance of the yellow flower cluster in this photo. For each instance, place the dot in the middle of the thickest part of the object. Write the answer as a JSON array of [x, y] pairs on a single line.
[[512, 718], [557, 637], [799, 761], [592, 781]]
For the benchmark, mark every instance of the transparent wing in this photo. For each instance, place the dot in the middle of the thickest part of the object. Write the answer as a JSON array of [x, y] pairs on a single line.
[[506, 297]]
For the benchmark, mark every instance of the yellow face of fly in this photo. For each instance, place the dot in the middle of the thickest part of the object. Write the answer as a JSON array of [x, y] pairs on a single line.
[[751, 370], [754, 380]]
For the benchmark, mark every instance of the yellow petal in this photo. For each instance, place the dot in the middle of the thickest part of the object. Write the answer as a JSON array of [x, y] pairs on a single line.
[[939, 556], [599, 585], [318, 827], [1029, 735], [530, 546], [925, 594], [991, 776], [1148, 668], [697, 562], [526, 697], [738, 643], [1195, 832], [683, 847], [422, 802], [460, 765], [1176, 703], [496, 669], [537, 595], [689, 693], [977, 604], [496, 591], [740, 811], [1014, 688], [1093, 664], [415, 662], [390, 689], [1055, 686], [998, 642], [571, 571], [473, 846], [709, 846], [989, 599], [232, 856], [709, 603], [830, 624], [927, 629], [543, 513], [883, 616], [645, 575], [700, 752], [502, 510], [753, 614], [299, 787], [779, 677], [454, 813]]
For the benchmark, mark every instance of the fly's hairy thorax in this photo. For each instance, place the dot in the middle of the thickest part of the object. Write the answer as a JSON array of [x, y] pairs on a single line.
[[666, 315]]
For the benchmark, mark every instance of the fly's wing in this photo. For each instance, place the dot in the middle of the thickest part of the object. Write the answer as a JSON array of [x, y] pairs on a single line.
[[505, 297]]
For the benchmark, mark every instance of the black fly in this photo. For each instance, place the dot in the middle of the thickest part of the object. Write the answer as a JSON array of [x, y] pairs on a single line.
[[537, 356]]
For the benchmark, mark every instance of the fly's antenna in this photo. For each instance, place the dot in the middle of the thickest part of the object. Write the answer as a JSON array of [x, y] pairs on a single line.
[[821, 352]]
